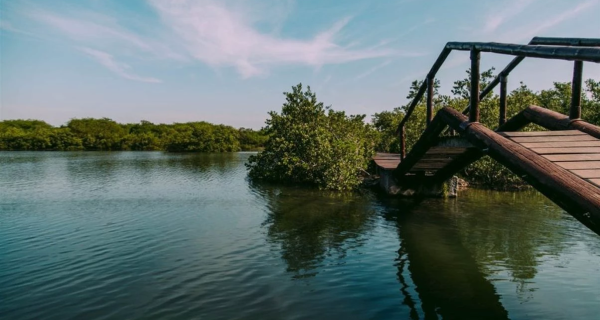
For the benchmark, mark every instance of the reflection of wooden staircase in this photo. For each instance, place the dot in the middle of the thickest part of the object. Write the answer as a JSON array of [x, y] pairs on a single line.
[[562, 163]]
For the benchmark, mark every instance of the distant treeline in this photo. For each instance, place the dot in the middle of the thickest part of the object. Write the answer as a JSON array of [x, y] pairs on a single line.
[[106, 134]]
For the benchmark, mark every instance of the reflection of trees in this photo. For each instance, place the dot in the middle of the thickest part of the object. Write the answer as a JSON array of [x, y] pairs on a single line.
[[312, 226], [449, 248], [514, 238], [105, 171], [445, 275]]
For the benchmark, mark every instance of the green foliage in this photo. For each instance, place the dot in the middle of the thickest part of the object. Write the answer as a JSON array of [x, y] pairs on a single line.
[[485, 171], [106, 134], [203, 137], [313, 144], [252, 140]]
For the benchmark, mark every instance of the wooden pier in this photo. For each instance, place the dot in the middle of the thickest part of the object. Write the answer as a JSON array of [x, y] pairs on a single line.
[[562, 162]]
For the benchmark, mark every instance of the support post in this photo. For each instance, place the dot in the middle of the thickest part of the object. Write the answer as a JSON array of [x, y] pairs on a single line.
[[430, 82], [474, 103], [575, 112], [402, 144], [503, 83]]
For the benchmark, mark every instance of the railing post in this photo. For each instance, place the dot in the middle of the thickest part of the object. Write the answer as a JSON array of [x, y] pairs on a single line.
[[402, 144], [575, 112], [430, 81], [474, 103], [503, 83]]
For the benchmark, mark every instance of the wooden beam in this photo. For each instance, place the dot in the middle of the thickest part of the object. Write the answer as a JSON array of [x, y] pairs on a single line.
[[402, 143], [474, 95], [428, 139], [575, 111], [556, 53], [553, 120], [575, 42], [503, 100], [432, 72], [430, 83], [458, 163]]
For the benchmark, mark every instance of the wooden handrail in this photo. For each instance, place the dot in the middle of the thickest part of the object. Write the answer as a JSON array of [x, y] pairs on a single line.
[[538, 47], [588, 54]]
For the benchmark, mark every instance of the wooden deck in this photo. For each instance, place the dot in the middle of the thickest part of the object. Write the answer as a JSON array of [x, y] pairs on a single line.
[[573, 150]]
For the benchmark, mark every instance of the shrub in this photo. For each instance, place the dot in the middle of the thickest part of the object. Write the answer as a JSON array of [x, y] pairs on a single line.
[[313, 144]]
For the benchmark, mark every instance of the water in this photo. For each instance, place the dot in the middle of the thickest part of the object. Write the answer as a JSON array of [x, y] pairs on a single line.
[[128, 235]]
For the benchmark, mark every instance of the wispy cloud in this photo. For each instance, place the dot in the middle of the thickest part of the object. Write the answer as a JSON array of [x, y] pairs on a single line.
[[103, 31], [495, 19], [118, 68], [534, 29], [7, 26], [219, 36], [217, 33], [372, 70]]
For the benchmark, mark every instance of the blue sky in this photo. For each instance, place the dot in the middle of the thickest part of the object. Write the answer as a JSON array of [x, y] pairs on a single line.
[[228, 61]]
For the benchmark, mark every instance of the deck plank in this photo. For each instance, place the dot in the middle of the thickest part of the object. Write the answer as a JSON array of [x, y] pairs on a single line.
[[564, 144], [570, 165], [553, 138], [574, 150], [572, 157], [588, 174], [542, 133], [595, 181]]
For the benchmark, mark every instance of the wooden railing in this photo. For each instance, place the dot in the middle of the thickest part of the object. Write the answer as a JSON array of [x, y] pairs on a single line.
[[572, 49]]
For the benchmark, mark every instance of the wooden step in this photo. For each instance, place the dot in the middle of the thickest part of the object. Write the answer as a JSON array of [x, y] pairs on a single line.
[[542, 133], [553, 138], [563, 144], [573, 150]]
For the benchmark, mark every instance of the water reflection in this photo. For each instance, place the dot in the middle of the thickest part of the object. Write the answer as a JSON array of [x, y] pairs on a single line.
[[447, 279], [178, 235], [512, 241], [311, 226]]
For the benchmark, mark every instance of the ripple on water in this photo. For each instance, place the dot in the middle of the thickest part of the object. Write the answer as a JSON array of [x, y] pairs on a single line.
[[180, 236]]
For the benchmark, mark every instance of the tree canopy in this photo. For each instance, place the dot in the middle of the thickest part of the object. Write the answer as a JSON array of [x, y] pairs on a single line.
[[106, 134], [310, 143]]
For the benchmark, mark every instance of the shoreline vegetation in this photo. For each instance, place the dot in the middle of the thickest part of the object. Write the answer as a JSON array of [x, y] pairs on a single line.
[[104, 134], [307, 142]]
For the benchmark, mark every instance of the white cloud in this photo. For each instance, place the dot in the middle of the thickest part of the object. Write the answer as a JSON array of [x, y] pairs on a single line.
[[372, 70], [534, 29], [102, 31], [226, 33], [224, 36], [522, 32], [507, 12], [118, 68]]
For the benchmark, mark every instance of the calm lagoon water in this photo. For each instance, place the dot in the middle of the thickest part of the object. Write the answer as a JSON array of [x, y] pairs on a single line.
[[151, 235]]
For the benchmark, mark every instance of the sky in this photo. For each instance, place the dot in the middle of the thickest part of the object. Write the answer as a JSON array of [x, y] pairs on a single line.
[[229, 61]]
